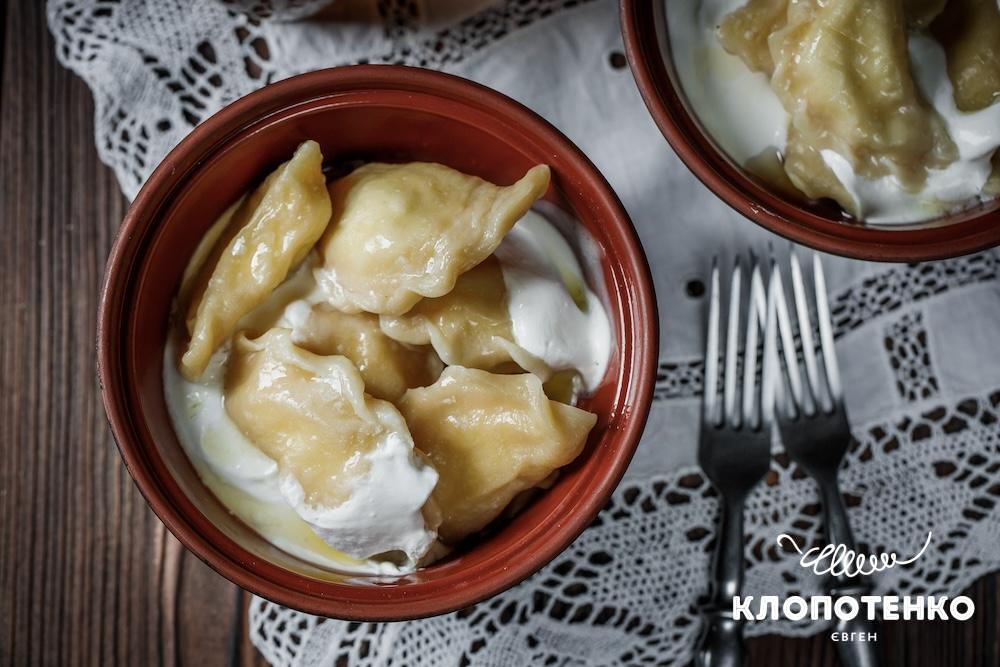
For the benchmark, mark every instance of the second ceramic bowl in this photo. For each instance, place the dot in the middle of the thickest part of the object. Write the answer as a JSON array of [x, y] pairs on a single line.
[[382, 113], [644, 26]]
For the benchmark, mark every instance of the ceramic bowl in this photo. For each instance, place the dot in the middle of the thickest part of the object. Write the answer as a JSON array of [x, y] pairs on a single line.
[[385, 113], [644, 26]]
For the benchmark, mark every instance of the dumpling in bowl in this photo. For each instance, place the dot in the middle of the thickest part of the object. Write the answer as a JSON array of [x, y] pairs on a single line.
[[266, 236], [469, 326], [490, 437], [387, 366], [401, 232], [842, 71], [969, 31], [745, 32], [337, 448]]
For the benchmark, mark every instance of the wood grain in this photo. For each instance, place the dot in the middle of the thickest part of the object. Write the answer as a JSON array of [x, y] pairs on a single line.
[[87, 574]]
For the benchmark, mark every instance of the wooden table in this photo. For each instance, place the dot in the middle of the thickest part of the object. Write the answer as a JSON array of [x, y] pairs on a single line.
[[88, 574]]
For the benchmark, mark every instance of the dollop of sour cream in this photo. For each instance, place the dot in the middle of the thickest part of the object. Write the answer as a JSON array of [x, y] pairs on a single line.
[[721, 89], [735, 105], [383, 513], [554, 314], [252, 486]]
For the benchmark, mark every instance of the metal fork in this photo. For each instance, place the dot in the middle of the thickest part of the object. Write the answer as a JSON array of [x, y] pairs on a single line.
[[734, 448], [813, 423]]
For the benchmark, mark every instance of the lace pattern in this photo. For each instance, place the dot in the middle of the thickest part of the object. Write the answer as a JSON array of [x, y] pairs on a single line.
[[874, 297], [906, 344], [216, 52], [627, 591]]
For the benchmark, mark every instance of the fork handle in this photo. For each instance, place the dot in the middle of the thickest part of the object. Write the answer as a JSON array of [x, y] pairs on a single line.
[[852, 653], [721, 643]]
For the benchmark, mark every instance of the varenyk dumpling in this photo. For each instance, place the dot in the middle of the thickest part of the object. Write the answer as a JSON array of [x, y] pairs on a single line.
[[266, 235], [490, 437], [841, 70], [469, 326], [335, 445], [401, 232], [388, 366]]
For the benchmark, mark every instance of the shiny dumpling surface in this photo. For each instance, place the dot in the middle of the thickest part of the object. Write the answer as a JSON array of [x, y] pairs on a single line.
[[266, 236], [310, 413], [307, 412], [387, 366], [489, 437], [969, 31], [745, 32], [401, 232], [842, 71], [469, 326]]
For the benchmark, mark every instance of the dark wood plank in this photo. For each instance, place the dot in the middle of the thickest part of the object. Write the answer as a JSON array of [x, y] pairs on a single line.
[[87, 574]]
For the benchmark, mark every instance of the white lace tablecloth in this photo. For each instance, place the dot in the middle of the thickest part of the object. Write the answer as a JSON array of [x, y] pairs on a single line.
[[918, 342]]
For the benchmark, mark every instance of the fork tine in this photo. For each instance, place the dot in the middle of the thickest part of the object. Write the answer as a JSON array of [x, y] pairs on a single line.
[[786, 337], [730, 383], [814, 393], [771, 369], [751, 398], [826, 332], [711, 380], [757, 294]]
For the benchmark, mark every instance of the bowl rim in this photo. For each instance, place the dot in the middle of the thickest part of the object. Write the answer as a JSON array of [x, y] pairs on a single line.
[[641, 23], [206, 140]]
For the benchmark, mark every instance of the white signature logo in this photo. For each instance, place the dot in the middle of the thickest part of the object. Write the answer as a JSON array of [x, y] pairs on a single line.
[[837, 560]]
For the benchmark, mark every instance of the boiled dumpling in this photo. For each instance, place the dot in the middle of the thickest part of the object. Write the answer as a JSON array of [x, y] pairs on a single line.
[[969, 31], [489, 437], [745, 32], [469, 326], [388, 367], [270, 232], [337, 448], [208, 245], [401, 232], [842, 72]]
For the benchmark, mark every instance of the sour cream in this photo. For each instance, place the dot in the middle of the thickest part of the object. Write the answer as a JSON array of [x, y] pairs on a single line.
[[735, 105], [384, 511], [253, 488], [740, 111], [554, 314]]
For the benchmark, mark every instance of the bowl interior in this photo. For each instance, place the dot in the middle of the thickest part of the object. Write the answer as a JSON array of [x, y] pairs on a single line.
[[821, 225], [231, 154]]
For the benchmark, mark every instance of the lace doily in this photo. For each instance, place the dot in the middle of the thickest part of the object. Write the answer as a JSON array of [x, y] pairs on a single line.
[[917, 342]]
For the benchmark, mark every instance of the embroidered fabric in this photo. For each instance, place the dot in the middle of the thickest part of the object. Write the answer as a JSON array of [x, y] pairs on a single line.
[[917, 342]]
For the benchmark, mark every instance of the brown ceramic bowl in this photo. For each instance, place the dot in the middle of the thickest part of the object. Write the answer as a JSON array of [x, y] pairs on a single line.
[[367, 113], [644, 26]]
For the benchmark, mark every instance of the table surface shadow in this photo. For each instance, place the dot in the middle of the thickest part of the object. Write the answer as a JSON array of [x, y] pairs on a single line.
[[88, 575]]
